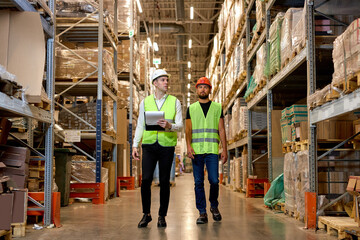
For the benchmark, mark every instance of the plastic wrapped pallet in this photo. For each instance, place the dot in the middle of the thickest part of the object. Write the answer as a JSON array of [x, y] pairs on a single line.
[[291, 18], [260, 15], [239, 8], [86, 111], [86, 172], [274, 62], [240, 58], [69, 66], [243, 111], [75, 8], [302, 183], [244, 160], [237, 172], [298, 32], [260, 64], [236, 116], [232, 173], [290, 166], [346, 53]]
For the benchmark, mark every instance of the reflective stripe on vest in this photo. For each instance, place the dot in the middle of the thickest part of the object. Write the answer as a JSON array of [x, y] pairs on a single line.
[[166, 139], [205, 131]]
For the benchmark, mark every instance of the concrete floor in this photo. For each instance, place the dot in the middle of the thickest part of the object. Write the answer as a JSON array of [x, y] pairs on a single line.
[[242, 219]]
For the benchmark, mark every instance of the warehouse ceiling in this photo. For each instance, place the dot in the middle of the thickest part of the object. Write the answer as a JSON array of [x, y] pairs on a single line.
[[159, 14]]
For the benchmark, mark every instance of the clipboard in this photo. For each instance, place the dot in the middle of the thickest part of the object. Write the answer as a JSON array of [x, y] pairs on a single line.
[[151, 118]]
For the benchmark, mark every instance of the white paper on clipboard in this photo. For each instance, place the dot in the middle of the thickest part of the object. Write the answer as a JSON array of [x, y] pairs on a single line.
[[151, 117]]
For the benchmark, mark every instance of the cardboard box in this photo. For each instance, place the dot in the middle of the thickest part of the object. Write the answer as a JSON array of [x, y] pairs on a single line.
[[123, 163], [121, 130], [276, 134], [334, 129], [20, 206], [301, 129], [111, 166], [356, 126], [22, 50], [6, 209]]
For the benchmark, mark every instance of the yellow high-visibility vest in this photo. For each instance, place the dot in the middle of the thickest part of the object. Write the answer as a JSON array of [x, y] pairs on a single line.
[[205, 131], [166, 139]]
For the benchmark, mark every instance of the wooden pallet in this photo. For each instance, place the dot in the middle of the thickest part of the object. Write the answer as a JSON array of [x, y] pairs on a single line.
[[18, 229], [18, 129], [338, 226], [5, 235], [298, 49], [44, 105], [351, 84]]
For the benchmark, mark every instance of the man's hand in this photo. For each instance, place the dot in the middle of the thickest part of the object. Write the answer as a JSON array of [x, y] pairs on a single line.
[[135, 154], [190, 152], [163, 123], [224, 156]]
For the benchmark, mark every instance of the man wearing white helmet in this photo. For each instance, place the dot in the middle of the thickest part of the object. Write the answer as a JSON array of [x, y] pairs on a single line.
[[158, 145]]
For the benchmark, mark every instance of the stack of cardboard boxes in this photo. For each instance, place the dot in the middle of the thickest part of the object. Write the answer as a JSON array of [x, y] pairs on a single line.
[[13, 195]]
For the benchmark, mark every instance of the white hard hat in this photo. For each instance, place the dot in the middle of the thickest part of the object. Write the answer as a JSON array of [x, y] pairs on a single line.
[[158, 73]]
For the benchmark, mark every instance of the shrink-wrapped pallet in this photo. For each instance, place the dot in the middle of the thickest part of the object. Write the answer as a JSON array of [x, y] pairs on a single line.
[[274, 62], [240, 58], [243, 118], [291, 18], [238, 12], [260, 15], [290, 166], [346, 53], [70, 66], [298, 32], [236, 116], [87, 111], [237, 169], [86, 173], [244, 160], [302, 183], [260, 64]]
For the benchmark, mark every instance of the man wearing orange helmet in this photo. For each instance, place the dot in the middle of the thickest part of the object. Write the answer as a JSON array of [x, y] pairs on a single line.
[[204, 129]]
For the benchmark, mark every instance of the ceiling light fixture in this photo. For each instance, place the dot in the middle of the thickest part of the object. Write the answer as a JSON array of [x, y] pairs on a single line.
[[156, 47], [139, 6], [191, 12], [188, 94], [149, 41], [188, 85], [189, 64], [190, 43], [189, 76]]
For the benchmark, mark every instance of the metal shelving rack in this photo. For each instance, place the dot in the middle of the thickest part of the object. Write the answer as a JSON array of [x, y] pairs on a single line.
[[91, 32], [11, 107], [304, 61]]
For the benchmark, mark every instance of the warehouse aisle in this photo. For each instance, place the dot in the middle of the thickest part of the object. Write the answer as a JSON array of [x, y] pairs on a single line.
[[118, 219]]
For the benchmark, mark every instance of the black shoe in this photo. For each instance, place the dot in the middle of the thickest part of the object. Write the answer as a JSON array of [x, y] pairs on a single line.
[[161, 222], [216, 214], [202, 219], [144, 221]]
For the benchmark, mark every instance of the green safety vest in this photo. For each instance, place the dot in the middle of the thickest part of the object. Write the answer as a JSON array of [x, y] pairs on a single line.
[[205, 131], [166, 139]]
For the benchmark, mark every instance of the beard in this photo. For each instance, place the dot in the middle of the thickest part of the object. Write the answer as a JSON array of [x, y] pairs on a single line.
[[203, 96]]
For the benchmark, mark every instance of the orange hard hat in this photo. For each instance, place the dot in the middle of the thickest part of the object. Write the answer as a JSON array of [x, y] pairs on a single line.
[[203, 80]]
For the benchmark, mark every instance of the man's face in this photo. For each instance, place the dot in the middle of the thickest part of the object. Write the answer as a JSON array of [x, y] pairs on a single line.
[[203, 91], [162, 83]]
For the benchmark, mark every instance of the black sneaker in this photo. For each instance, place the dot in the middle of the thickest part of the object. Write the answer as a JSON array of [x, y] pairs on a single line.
[[216, 214], [144, 221], [161, 222], [202, 219]]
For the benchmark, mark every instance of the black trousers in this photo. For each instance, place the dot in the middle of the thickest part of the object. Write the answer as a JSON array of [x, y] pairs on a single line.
[[151, 154]]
